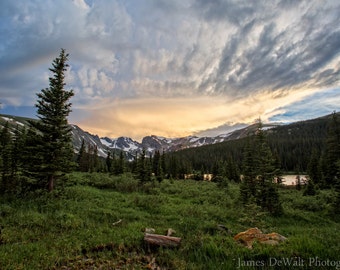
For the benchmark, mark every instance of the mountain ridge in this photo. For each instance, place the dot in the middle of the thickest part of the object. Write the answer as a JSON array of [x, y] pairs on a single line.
[[150, 143]]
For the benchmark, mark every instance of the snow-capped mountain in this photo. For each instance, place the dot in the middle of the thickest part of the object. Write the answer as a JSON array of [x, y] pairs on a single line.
[[149, 143], [153, 142], [78, 135], [122, 143], [131, 148]]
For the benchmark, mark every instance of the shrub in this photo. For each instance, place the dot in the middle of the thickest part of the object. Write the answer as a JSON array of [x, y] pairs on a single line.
[[5, 210], [221, 181], [126, 183]]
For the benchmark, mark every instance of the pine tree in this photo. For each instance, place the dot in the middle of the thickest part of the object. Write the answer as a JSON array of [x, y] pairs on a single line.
[[108, 162], [332, 155], [220, 172], [259, 175], [5, 153], [309, 188], [32, 160], [133, 164], [155, 162], [143, 171], [163, 165], [336, 203], [120, 163], [18, 144], [267, 194], [173, 167], [298, 182], [93, 158], [248, 184], [53, 109], [232, 172], [115, 165], [313, 168], [157, 166], [83, 158]]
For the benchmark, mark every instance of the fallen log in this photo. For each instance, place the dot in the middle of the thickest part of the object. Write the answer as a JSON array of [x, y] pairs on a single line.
[[162, 240]]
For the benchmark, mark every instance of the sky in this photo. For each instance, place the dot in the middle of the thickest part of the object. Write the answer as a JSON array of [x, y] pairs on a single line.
[[174, 68]]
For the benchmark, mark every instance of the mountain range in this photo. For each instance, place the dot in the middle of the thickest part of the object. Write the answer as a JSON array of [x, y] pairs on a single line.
[[153, 143], [131, 147]]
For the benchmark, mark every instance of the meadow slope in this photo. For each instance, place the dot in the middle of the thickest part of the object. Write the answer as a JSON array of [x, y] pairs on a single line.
[[75, 227]]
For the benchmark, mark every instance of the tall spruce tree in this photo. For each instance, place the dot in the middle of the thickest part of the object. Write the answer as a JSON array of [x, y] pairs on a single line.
[[5, 154], [120, 163], [93, 158], [332, 155], [143, 169], [108, 162], [259, 175], [157, 166], [53, 109], [83, 158], [18, 144], [313, 168], [163, 165], [336, 203], [232, 172], [31, 160], [248, 184]]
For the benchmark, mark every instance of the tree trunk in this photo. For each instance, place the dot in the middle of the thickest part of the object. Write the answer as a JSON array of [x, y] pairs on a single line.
[[50, 183], [162, 240]]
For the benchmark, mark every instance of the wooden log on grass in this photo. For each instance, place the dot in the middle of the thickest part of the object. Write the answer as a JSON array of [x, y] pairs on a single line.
[[162, 240]]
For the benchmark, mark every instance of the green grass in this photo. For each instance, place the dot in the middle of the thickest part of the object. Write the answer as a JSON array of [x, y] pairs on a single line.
[[73, 228]]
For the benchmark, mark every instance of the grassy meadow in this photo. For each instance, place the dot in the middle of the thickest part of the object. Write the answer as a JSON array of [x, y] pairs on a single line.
[[96, 221]]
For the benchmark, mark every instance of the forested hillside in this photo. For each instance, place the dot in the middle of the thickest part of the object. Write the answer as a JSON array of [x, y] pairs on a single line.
[[291, 144]]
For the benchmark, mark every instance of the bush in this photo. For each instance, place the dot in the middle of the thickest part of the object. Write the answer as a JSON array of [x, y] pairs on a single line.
[[126, 183], [310, 204], [310, 189], [5, 210], [221, 181], [123, 183]]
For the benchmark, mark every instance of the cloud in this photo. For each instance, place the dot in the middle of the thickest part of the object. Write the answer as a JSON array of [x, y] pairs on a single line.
[[270, 52], [180, 116], [313, 106], [172, 52]]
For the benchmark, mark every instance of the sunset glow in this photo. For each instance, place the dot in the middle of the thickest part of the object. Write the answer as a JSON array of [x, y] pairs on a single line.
[[174, 68]]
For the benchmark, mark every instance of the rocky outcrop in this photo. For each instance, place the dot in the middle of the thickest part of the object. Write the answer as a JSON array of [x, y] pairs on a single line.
[[252, 235]]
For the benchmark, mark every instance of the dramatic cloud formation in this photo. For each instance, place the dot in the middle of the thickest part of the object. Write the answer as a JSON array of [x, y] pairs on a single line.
[[174, 68]]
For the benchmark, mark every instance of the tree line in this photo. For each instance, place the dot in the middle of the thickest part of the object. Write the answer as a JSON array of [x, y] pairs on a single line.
[[293, 147]]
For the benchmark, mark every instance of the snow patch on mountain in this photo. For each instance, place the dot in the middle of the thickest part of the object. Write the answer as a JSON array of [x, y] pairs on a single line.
[[150, 143]]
